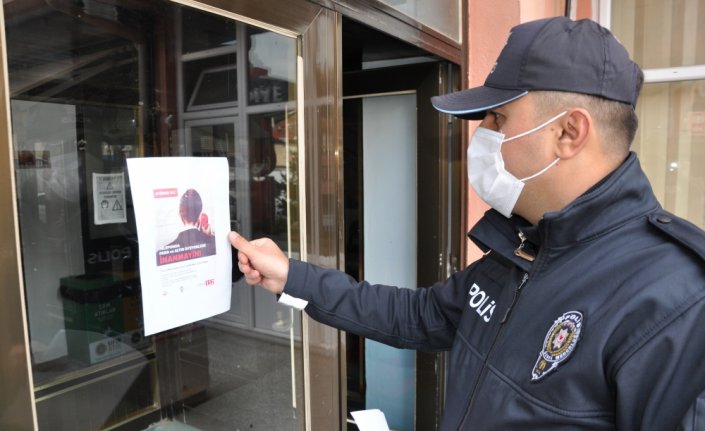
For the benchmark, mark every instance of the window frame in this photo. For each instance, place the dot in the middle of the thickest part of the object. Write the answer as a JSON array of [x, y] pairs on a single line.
[[652, 75]]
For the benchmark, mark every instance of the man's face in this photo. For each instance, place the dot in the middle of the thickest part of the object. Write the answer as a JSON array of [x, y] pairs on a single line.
[[528, 154]]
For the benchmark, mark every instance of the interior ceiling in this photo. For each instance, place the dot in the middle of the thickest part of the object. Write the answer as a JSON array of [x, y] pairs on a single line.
[[364, 44]]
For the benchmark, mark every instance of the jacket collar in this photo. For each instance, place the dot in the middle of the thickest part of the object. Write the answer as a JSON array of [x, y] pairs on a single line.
[[498, 234], [622, 196]]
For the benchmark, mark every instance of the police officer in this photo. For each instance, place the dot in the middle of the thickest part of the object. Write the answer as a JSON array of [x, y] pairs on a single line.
[[587, 310]]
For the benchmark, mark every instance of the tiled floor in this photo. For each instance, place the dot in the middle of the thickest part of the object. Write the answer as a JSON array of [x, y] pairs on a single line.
[[250, 386]]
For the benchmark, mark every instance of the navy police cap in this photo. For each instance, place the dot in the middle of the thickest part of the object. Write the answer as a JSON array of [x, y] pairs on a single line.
[[551, 54]]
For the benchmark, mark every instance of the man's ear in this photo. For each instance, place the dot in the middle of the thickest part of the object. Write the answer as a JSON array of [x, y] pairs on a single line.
[[577, 127]]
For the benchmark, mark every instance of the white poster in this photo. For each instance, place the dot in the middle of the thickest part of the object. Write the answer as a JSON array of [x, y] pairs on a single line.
[[109, 198], [183, 219]]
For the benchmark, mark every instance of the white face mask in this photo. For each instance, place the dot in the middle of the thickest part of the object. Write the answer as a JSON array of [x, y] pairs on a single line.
[[486, 172]]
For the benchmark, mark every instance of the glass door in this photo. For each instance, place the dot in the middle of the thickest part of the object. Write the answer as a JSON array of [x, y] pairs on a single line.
[[414, 212], [93, 83]]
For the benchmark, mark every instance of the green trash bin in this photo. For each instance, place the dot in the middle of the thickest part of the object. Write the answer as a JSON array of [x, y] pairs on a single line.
[[93, 315]]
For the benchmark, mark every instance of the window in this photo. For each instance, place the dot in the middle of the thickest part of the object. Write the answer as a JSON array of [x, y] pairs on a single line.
[[666, 39], [93, 83]]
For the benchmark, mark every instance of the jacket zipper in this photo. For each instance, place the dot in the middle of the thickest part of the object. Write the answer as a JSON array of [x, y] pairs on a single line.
[[517, 292]]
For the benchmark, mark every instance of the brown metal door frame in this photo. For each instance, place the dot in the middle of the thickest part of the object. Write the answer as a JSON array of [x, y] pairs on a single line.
[[17, 400], [440, 212]]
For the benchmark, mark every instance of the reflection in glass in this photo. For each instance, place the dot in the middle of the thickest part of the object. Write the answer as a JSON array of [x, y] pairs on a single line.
[[212, 140], [443, 16], [203, 31], [215, 88], [123, 79], [268, 162], [271, 64]]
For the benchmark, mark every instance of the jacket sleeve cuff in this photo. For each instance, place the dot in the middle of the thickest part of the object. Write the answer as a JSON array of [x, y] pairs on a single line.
[[291, 301], [295, 282]]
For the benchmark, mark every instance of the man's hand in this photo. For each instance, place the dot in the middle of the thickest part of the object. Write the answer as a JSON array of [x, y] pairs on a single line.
[[262, 262]]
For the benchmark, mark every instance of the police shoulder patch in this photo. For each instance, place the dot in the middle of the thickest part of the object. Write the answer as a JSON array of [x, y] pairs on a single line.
[[559, 344]]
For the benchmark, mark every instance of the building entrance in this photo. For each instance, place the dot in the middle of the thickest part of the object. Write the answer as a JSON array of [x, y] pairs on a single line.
[[401, 201]]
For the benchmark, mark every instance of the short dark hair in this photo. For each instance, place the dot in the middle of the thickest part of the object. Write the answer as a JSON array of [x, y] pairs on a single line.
[[190, 206], [617, 122]]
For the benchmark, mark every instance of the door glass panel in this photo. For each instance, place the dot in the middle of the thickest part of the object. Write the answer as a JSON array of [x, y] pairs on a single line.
[[442, 15], [93, 83]]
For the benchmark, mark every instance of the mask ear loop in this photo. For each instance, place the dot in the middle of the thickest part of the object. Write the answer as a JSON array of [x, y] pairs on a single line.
[[552, 164], [537, 127]]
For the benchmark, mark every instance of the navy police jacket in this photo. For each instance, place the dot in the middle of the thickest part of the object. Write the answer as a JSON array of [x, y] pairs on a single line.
[[592, 320]]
